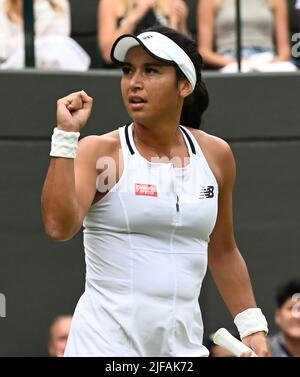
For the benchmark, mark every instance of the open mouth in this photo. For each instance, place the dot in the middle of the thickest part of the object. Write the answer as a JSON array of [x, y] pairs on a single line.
[[136, 100]]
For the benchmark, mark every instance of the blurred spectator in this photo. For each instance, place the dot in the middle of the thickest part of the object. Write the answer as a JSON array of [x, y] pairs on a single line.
[[54, 49], [294, 21], [216, 350], [263, 21], [286, 343], [58, 335], [117, 17]]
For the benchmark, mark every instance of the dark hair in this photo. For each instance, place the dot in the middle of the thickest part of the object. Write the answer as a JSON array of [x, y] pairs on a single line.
[[196, 103], [286, 291]]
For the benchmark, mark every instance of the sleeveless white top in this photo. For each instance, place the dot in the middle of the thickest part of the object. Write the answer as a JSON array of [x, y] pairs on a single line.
[[146, 256]]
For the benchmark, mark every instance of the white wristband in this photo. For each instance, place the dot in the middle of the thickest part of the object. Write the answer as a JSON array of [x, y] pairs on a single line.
[[250, 321], [64, 143]]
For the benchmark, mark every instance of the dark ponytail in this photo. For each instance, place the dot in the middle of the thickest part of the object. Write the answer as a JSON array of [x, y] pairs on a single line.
[[194, 106], [196, 103]]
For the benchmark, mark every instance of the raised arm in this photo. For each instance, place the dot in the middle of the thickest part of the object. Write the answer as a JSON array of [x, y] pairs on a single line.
[[178, 14], [206, 25], [281, 30], [70, 188], [108, 29], [226, 264]]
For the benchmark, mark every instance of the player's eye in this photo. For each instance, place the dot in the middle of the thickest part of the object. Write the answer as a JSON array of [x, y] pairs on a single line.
[[126, 70], [151, 70]]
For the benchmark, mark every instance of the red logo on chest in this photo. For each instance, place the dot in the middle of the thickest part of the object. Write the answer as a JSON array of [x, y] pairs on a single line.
[[145, 190]]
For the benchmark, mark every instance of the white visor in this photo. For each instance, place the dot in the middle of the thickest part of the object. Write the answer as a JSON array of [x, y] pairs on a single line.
[[160, 47]]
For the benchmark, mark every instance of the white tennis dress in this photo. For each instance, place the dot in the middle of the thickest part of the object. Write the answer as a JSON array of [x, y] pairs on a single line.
[[146, 256]]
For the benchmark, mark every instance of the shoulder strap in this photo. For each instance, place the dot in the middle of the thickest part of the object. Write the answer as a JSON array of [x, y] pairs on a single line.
[[193, 149], [128, 139]]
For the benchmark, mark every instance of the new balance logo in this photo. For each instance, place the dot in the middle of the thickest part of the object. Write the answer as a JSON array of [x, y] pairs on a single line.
[[207, 192]]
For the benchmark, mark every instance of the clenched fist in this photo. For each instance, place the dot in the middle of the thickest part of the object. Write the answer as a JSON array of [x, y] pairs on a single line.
[[73, 111]]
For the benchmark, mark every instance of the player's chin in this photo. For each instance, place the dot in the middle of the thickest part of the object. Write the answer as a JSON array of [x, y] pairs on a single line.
[[139, 117], [135, 113]]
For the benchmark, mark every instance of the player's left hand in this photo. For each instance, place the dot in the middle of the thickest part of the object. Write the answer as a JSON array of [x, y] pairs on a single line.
[[258, 343]]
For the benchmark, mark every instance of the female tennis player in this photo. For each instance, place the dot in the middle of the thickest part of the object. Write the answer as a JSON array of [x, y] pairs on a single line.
[[155, 200]]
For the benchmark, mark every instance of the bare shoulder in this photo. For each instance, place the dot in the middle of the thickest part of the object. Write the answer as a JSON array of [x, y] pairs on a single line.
[[208, 139], [218, 154], [106, 144], [212, 145]]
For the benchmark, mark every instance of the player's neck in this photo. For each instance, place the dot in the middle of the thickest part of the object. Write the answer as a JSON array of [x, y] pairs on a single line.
[[161, 138]]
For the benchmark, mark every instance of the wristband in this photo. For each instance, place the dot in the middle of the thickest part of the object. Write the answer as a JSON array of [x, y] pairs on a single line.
[[250, 321], [64, 143]]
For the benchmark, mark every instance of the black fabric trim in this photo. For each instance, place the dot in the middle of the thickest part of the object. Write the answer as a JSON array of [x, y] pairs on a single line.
[[193, 149], [128, 140]]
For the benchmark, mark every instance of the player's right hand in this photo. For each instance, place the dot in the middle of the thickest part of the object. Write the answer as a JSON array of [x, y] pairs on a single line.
[[73, 111]]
